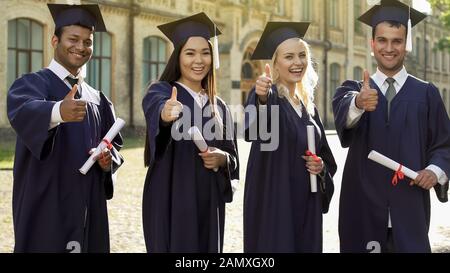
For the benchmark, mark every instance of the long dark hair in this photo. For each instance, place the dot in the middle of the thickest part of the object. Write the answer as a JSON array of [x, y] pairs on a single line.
[[171, 74]]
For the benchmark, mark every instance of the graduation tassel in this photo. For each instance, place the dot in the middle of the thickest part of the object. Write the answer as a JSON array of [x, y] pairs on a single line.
[[409, 35], [216, 50]]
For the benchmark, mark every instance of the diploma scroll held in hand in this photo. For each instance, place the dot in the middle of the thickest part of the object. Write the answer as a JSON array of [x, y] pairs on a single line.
[[105, 143], [199, 141], [312, 148], [391, 164]]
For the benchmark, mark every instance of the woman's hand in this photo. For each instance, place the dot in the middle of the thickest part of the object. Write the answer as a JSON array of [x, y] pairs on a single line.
[[214, 158], [172, 109], [263, 85], [314, 164]]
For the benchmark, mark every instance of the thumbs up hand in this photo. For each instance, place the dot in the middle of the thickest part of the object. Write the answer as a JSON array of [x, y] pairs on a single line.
[[71, 109], [367, 98], [263, 85], [172, 108]]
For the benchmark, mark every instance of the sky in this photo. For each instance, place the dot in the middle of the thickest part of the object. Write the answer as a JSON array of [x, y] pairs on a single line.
[[422, 5]]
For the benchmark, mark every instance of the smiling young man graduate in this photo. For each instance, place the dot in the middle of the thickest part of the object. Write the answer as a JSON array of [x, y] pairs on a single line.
[[58, 119], [403, 118]]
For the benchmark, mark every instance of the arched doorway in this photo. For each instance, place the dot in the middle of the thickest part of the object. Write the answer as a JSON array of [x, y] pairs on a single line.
[[250, 70]]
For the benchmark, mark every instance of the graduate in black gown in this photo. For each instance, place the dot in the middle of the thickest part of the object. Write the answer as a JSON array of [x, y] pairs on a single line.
[[58, 119], [186, 189], [281, 213], [403, 118]]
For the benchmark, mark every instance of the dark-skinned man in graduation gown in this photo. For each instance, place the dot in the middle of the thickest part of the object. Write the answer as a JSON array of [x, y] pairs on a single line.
[[403, 118], [58, 119]]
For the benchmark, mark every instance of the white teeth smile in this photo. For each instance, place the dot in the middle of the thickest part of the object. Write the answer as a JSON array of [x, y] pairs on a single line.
[[296, 70], [78, 55], [198, 69]]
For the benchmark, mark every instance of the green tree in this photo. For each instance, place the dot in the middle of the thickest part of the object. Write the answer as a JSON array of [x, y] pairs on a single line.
[[443, 9]]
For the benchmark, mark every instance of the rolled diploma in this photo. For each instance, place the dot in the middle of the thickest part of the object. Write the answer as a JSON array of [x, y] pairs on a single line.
[[312, 148], [199, 141], [112, 133], [391, 164]]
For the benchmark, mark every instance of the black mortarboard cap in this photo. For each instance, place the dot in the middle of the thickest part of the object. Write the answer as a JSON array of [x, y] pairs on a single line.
[[274, 34], [196, 25], [396, 11], [391, 10], [84, 15]]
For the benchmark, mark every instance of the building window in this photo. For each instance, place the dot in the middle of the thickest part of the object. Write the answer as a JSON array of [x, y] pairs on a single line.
[[358, 73], [306, 10], [444, 61], [250, 70], [154, 59], [335, 81], [427, 53], [436, 57], [357, 12], [247, 71], [25, 48], [281, 7], [334, 13], [335, 75], [99, 67], [417, 53]]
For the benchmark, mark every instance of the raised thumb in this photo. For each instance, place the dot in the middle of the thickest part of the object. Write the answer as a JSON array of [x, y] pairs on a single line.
[[72, 93], [366, 79], [174, 94], [267, 71]]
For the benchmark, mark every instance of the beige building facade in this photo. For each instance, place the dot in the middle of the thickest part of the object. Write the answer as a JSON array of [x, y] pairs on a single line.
[[133, 52]]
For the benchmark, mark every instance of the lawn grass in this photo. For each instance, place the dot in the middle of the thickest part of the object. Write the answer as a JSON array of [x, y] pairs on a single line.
[[7, 154], [7, 149], [132, 142]]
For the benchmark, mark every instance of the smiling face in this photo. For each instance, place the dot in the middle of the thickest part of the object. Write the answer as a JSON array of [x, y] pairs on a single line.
[[74, 48], [389, 47], [291, 61], [195, 61]]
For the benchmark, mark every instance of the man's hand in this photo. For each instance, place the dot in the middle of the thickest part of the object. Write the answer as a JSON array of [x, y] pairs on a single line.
[[104, 159], [72, 110], [426, 179], [367, 98]]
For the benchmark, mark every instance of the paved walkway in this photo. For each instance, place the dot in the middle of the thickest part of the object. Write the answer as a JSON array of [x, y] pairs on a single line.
[[125, 209]]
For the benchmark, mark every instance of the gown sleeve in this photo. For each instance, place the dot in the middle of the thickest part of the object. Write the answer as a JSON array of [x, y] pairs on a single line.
[[256, 113], [326, 179], [341, 104], [438, 144], [110, 177], [230, 172], [158, 133], [29, 112]]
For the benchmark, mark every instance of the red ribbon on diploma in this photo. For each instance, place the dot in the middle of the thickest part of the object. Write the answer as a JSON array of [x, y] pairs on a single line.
[[316, 158], [108, 144], [398, 175]]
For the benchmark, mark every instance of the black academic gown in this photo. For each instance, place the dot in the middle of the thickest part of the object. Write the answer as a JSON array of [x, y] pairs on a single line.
[[55, 207], [184, 203], [281, 214], [416, 135]]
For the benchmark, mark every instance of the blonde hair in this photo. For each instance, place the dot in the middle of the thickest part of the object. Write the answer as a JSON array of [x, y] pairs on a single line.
[[306, 86]]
